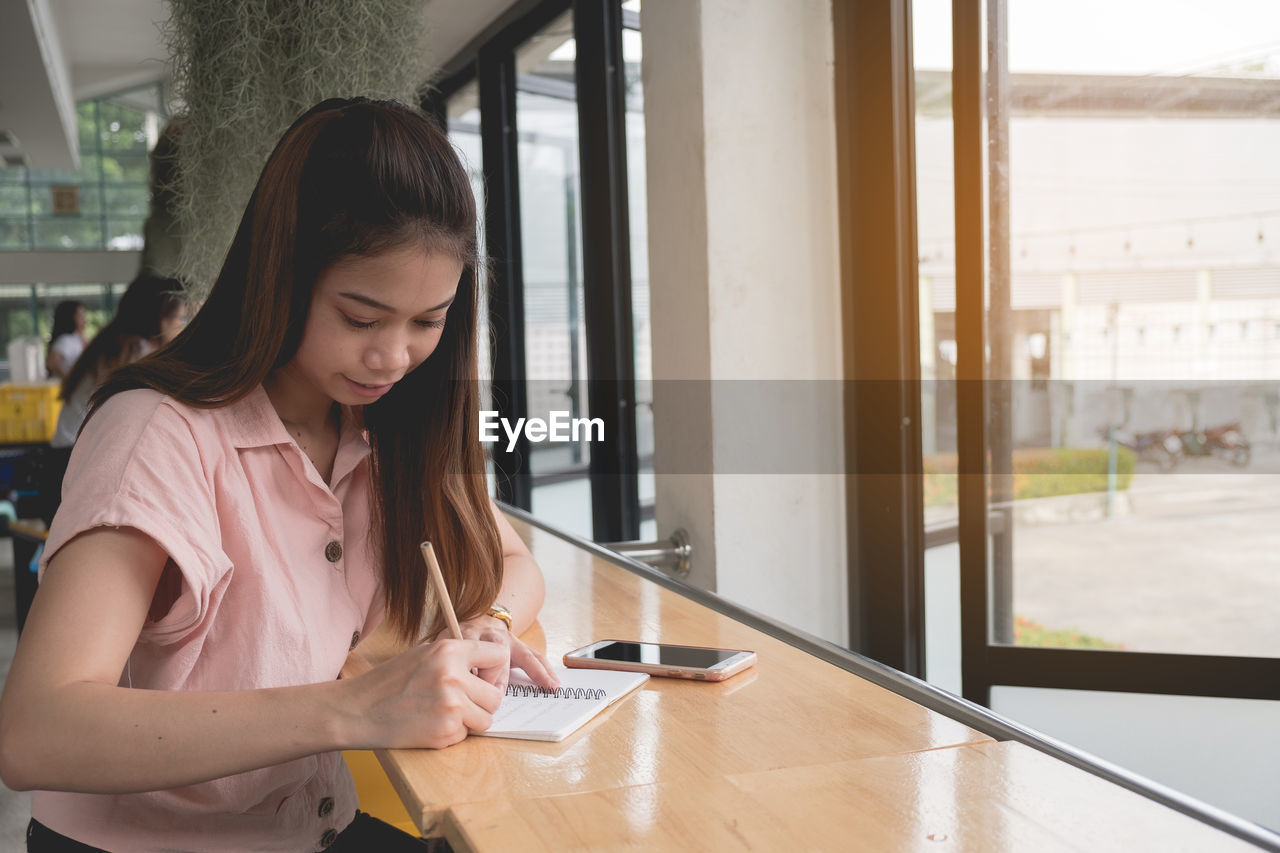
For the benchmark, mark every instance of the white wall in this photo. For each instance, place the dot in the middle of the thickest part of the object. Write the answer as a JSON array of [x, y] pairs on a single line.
[[743, 255]]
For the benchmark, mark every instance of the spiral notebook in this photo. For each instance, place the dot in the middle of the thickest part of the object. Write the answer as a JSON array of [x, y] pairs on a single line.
[[529, 712]]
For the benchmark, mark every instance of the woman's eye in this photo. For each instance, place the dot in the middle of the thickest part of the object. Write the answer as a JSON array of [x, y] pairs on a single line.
[[358, 324], [431, 324]]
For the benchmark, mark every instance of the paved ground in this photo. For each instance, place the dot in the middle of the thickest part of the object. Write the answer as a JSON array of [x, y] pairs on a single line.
[[1193, 567]]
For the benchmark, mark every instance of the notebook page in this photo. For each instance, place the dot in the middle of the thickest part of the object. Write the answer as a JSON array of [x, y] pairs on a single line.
[[554, 717]]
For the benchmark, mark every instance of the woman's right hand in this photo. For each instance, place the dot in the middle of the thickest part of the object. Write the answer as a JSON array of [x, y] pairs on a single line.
[[427, 696]]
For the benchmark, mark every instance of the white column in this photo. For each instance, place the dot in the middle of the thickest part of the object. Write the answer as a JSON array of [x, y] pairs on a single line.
[[743, 257]]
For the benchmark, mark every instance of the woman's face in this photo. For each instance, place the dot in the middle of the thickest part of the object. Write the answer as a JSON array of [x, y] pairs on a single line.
[[81, 319], [172, 324], [372, 320]]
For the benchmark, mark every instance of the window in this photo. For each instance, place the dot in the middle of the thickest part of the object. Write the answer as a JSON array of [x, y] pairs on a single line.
[[566, 281], [1130, 376], [1090, 197], [101, 205]]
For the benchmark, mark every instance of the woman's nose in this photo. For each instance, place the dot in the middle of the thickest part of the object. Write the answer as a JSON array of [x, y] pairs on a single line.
[[388, 355]]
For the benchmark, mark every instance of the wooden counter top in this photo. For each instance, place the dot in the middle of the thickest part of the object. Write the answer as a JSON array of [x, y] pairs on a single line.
[[791, 711], [985, 796]]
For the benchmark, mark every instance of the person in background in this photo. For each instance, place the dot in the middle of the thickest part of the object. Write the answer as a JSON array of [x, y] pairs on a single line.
[[150, 314], [67, 339]]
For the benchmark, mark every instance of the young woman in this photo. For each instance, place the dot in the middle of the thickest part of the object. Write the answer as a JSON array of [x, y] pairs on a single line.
[[244, 505], [66, 341], [150, 314]]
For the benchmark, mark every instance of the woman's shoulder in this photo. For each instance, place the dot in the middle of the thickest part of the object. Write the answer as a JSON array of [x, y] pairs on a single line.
[[137, 405], [143, 415], [247, 421], [136, 436]]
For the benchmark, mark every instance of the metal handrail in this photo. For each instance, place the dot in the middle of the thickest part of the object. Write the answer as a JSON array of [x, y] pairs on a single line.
[[923, 693], [672, 554]]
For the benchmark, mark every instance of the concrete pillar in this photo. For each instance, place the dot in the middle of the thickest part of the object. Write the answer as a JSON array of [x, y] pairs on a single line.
[[743, 258]]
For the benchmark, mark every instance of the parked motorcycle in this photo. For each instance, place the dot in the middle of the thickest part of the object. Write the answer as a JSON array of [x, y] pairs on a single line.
[[1162, 447], [1226, 441]]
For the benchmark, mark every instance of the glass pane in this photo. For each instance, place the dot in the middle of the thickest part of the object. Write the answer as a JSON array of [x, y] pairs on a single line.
[[13, 200], [74, 232], [126, 168], [463, 116], [125, 234], [1134, 325], [555, 342], [115, 134], [87, 125], [638, 216], [122, 127], [12, 174], [15, 233], [463, 119], [125, 200], [935, 224], [88, 198]]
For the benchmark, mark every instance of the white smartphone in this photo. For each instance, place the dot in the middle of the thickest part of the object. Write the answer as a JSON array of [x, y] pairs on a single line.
[[697, 662]]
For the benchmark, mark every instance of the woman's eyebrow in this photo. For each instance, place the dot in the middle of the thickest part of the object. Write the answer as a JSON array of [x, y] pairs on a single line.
[[373, 303], [366, 300]]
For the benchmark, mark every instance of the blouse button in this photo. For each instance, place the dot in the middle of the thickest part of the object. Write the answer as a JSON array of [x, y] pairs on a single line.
[[326, 806], [328, 838], [355, 639], [333, 551]]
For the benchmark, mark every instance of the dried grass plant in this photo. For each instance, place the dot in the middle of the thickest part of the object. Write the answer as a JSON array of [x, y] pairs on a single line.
[[244, 70]]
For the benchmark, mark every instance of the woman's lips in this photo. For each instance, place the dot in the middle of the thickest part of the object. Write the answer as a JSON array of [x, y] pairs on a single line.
[[371, 391]]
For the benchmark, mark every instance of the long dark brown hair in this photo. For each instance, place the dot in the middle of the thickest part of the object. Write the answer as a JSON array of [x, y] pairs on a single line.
[[354, 178], [148, 301]]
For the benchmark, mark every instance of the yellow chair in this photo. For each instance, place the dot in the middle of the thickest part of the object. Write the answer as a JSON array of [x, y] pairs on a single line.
[[377, 795]]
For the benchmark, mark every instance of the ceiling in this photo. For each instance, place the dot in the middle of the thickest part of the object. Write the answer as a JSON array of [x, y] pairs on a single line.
[[56, 52]]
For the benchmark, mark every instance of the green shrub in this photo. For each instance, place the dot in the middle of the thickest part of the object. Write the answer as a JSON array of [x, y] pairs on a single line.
[[1037, 473], [1029, 633]]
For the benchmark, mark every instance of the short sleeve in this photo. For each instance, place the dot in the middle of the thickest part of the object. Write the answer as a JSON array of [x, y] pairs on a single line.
[[139, 464]]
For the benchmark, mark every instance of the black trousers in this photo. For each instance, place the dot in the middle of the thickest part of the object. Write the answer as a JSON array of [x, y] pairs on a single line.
[[365, 833]]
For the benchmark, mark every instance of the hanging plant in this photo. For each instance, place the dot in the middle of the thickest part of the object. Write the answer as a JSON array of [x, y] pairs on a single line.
[[244, 70]]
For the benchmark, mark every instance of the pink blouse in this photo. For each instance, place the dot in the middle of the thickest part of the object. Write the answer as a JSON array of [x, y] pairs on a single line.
[[279, 581]]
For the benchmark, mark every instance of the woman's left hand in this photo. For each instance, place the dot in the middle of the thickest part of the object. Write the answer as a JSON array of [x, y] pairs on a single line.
[[494, 630]]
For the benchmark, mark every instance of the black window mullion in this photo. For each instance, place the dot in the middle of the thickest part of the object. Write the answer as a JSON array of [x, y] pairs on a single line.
[[881, 333], [496, 77], [606, 262], [971, 439]]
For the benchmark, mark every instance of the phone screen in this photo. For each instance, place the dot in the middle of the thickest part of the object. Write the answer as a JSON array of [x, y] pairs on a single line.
[[663, 655]]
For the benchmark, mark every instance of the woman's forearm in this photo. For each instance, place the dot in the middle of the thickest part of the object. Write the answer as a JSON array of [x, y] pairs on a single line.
[[522, 591], [97, 738]]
